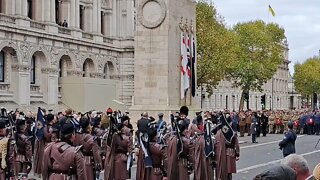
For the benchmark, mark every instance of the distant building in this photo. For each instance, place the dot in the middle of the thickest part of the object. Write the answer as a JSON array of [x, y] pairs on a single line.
[[276, 91], [295, 101], [57, 53]]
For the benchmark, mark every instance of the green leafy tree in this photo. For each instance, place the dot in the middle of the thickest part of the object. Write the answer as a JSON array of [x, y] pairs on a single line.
[[261, 52], [216, 46], [307, 77]]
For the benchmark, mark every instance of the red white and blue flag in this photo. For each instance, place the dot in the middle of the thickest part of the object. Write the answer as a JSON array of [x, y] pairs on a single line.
[[184, 67]]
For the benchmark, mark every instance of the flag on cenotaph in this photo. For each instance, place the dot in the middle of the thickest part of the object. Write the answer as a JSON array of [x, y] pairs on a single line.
[[193, 67], [184, 68]]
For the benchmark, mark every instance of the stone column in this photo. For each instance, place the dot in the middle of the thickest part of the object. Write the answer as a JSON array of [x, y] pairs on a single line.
[[77, 25], [24, 8], [47, 10], [107, 26], [114, 19], [18, 7], [98, 14], [50, 85], [130, 18], [21, 84], [10, 7], [53, 11], [72, 13], [94, 18]]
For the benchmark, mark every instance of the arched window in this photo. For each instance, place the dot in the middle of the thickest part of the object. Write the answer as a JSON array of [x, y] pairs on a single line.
[[33, 70], [2, 61]]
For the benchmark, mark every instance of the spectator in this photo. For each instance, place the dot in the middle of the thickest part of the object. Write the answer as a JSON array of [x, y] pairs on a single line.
[[65, 24], [299, 165], [277, 172], [316, 172], [288, 142]]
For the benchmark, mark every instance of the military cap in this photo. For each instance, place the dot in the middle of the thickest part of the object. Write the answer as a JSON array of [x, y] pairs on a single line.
[[184, 110], [160, 114], [109, 111], [84, 122], [125, 118], [50, 117], [96, 121], [67, 129]]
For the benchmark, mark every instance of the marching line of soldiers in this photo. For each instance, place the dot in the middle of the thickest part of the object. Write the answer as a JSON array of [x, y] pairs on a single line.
[[81, 146]]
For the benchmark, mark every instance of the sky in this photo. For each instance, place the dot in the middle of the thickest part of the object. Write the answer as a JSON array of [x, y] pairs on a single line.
[[299, 18]]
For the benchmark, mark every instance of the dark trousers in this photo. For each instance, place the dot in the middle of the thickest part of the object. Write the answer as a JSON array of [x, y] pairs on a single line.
[[264, 129], [253, 138], [317, 128], [258, 131], [248, 129], [310, 129]]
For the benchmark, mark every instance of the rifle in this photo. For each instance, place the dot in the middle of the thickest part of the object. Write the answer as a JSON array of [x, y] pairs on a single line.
[[174, 120]]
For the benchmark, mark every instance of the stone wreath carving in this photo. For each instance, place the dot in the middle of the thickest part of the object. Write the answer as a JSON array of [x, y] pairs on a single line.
[[151, 13]]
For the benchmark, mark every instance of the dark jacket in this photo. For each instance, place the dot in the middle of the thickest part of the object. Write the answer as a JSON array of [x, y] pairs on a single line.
[[288, 143]]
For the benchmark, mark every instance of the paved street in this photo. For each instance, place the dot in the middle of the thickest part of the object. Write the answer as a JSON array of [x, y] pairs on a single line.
[[254, 158]]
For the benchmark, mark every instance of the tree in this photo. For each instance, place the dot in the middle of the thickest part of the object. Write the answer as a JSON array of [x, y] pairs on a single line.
[[261, 52], [216, 46], [307, 77]]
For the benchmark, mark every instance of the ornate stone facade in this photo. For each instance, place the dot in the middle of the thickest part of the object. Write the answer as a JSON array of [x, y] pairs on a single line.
[[276, 91], [38, 50]]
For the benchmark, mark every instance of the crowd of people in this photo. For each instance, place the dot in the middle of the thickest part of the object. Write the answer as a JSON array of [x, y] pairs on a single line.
[[78, 145], [69, 145]]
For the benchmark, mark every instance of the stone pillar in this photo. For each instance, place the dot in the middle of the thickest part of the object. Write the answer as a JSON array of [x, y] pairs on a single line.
[[53, 11], [24, 8], [77, 25], [10, 7], [47, 11], [72, 13], [94, 17], [114, 19], [130, 18], [157, 83], [98, 14], [50, 85], [65, 12], [18, 7], [107, 26], [21, 84]]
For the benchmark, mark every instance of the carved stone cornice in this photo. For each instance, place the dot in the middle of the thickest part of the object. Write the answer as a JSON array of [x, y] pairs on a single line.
[[97, 75], [21, 68], [50, 70], [74, 73]]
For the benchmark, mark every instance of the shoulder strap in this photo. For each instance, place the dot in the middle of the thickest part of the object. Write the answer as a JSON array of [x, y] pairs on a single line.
[[160, 125], [78, 148]]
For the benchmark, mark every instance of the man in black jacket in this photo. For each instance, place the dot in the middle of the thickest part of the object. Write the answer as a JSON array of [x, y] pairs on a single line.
[[288, 142]]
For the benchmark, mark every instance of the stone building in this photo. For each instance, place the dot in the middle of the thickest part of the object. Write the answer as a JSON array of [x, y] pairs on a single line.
[[295, 97], [276, 91], [77, 53]]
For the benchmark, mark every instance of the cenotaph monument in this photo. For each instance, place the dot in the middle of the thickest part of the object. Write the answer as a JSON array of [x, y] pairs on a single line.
[[157, 73]]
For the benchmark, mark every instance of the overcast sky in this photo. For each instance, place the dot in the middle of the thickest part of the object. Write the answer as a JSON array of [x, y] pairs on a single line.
[[299, 18]]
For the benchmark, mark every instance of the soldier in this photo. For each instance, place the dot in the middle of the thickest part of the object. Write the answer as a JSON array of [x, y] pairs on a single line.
[[180, 148], [227, 152], [24, 149], [41, 143], [90, 150], [253, 128], [264, 123], [158, 153], [204, 162], [271, 122], [63, 161], [7, 152], [278, 122], [248, 122], [258, 119], [242, 123], [116, 156]]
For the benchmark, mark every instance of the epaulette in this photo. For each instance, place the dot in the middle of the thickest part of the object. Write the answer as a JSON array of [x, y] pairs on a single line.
[[63, 147], [78, 148]]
